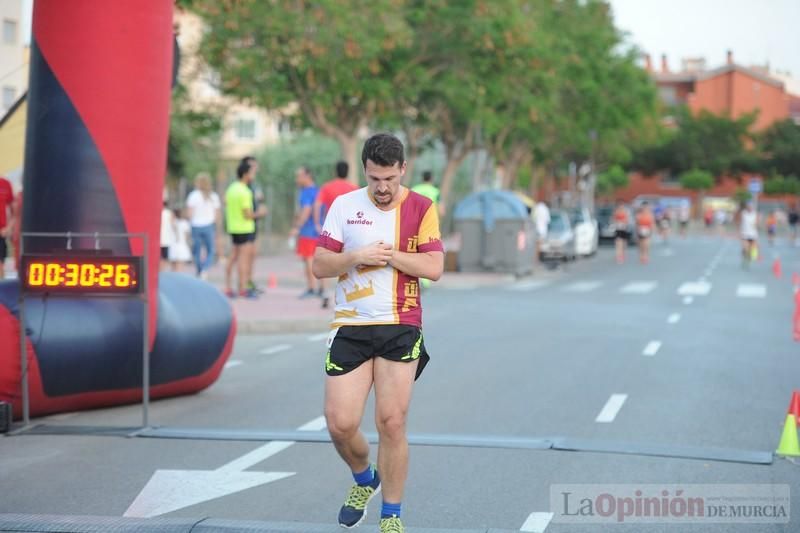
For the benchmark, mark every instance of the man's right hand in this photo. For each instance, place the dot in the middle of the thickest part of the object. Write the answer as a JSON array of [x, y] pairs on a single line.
[[376, 254]]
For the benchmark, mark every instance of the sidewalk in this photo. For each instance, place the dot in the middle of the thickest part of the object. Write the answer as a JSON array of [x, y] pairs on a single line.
[[280, 310]]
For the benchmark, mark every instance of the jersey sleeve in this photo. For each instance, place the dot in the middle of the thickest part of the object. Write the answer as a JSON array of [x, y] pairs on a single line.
[[430, 238], [332, 237]]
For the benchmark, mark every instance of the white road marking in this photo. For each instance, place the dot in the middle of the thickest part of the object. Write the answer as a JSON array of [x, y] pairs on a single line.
[[170, 490], [275, 349], [318, 424], [674, 318], [262, 453], [231, 364], [537, 522], [318, 337], [751, 290], [639, 287], [611, 408], [695, 288], [652, 348], [688, 300], [582, 286], [528, 285]]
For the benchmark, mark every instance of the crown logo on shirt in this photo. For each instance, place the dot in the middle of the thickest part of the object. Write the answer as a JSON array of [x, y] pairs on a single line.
[[360, 214], [359, 292]]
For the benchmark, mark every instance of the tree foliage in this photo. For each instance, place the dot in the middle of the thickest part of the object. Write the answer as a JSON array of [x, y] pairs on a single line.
[[535, 83], [194, 138], [711, 142], [697, 180], [612, 179], [780, 148]]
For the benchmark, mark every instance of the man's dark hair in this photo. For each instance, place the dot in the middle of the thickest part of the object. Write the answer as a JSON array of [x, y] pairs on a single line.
[[308, 171], [244, 166], [383, 149], [427, 176], [341, 169]]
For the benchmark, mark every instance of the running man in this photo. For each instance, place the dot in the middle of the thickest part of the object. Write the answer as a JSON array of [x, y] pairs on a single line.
[[748, 231], [622, 234], [645, 221], [379, 241]]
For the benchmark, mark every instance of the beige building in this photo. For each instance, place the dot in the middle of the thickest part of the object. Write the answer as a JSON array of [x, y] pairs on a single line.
[[247, 129], [13, 84]]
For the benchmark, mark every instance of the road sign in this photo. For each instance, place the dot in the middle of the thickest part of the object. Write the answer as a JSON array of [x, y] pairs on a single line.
[[755, 185]]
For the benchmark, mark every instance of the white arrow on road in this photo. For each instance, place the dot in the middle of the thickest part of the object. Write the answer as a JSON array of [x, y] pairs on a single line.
[[170, 490]]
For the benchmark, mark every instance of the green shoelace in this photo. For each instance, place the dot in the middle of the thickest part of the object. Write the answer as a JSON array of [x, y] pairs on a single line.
[[358, 497], [392, 525]]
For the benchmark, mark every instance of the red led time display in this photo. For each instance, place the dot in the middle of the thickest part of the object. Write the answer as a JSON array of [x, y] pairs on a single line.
[[105, 275]]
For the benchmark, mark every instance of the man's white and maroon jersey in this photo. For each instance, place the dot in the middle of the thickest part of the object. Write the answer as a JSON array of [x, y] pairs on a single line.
[[379, 295]]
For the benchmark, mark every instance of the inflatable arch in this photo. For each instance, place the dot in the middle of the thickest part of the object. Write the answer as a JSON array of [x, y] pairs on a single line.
[[98, 121]]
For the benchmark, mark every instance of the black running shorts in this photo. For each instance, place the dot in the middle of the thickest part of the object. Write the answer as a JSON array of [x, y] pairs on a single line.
[[242, 238], [353, 345], [3, 249]]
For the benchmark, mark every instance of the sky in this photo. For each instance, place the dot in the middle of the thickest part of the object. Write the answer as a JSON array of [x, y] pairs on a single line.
[[757, 31]]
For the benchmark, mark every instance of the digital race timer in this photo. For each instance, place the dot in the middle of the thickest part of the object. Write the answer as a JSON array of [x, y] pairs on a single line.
[[80, 274]]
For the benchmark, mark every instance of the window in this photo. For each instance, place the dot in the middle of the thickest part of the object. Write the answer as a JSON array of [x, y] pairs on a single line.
[[9, 31], [669, 95], [245, 128], [9, 97]]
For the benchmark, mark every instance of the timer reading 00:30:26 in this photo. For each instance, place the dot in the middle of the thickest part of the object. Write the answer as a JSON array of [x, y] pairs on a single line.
[[94, 275]]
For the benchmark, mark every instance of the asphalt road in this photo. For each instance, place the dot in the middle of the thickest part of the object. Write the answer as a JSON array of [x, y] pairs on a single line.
[[689, 352]]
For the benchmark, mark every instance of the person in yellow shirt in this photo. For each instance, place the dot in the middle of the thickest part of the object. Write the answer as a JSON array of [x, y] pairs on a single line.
[[241, 226]]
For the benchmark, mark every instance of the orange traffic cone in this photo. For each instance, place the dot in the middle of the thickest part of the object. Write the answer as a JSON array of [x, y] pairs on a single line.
[[788, 445], [794, 405], [272, 282], [776, 267]]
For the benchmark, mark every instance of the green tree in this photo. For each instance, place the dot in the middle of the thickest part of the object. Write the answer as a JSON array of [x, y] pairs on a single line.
[[778, 184], [194, 139], [611, 180], [708, 141], [697, 180], [780, 148], [333, 59]]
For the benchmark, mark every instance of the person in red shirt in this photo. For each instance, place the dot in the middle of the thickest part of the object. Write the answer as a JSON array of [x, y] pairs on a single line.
[[330, 192], [6, 221], [645, 223]]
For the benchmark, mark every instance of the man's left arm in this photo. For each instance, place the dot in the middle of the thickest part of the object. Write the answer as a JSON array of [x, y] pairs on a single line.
[[428, 265], [428, 261]]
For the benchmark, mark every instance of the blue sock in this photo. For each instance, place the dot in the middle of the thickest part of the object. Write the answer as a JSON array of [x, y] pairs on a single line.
[[364, 478], [389, 510]]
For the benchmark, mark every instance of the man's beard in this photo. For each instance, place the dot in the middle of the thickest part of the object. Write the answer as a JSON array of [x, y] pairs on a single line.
[[383, 200]]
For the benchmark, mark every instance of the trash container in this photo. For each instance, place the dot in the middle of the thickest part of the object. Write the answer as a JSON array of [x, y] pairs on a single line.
[[496, 233]]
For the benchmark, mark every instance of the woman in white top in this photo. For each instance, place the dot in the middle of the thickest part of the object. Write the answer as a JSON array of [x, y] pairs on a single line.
[[749, 233], [203, 207], [167, 234]]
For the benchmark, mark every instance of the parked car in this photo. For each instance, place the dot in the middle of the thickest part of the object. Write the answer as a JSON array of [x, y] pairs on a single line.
[[586, 232], [560, 240], [608, 229]]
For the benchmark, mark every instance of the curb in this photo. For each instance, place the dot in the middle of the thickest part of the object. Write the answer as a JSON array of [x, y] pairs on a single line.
[[93, 524]]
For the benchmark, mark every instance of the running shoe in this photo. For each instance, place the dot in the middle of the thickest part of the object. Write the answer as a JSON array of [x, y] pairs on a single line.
[[354, 510]]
